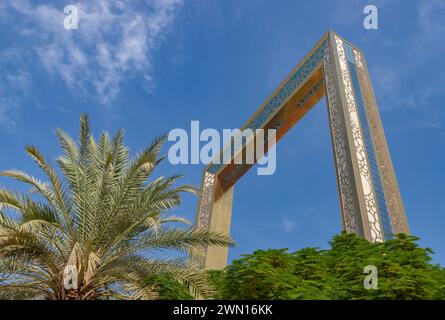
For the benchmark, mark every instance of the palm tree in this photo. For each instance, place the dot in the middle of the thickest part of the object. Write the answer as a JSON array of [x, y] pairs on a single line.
[[93, 232]]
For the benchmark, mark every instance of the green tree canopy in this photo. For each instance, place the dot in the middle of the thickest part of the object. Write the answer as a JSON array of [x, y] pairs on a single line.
[[404, 272]]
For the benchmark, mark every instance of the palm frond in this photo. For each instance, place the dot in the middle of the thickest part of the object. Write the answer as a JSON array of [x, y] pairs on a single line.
[[105, 215]]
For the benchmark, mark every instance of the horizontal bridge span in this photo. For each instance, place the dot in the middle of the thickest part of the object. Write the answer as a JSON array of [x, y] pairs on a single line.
[[369, 198], [295, 96]]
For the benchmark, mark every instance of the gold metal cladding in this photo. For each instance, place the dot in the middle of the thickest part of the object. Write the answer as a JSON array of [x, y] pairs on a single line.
[[296, 103], [357, 198], [206, 200], [345, 179], [387, 173], [365, 177], [204, 211]]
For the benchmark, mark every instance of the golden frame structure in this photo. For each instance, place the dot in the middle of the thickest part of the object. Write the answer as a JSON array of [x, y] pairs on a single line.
[[369, 197]]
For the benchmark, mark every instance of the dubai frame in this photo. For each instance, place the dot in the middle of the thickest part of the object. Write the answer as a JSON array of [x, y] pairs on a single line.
[[369, 197]]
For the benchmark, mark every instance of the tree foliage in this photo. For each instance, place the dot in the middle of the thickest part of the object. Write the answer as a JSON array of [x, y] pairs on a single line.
[[404, 272], [104, 216], [169, 288]]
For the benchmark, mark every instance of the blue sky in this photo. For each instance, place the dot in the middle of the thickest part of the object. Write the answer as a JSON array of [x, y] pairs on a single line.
[[151, 66]]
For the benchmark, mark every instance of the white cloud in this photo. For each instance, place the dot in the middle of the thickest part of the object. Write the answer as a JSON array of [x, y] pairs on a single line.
[[15, 83], [3, 114], [115, 40], [430, 17], [418, 54], [288, 225], [20, 80]]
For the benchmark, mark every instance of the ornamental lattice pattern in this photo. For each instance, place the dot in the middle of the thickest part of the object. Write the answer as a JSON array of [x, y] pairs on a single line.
[[204, 215], [365, 176], [206, 200], [391, 192], [342, 158], [363, 166], [281, 95]]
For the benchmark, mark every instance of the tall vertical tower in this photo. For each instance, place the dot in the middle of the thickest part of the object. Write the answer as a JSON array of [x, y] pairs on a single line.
[[369, 197]]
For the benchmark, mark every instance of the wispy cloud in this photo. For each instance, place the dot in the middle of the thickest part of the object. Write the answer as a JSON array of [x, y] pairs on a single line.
[[287, 224], [4, 115], [115, 40], [411, 48], [429, 10], [14, 84], [303, 214], [418, 56]]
